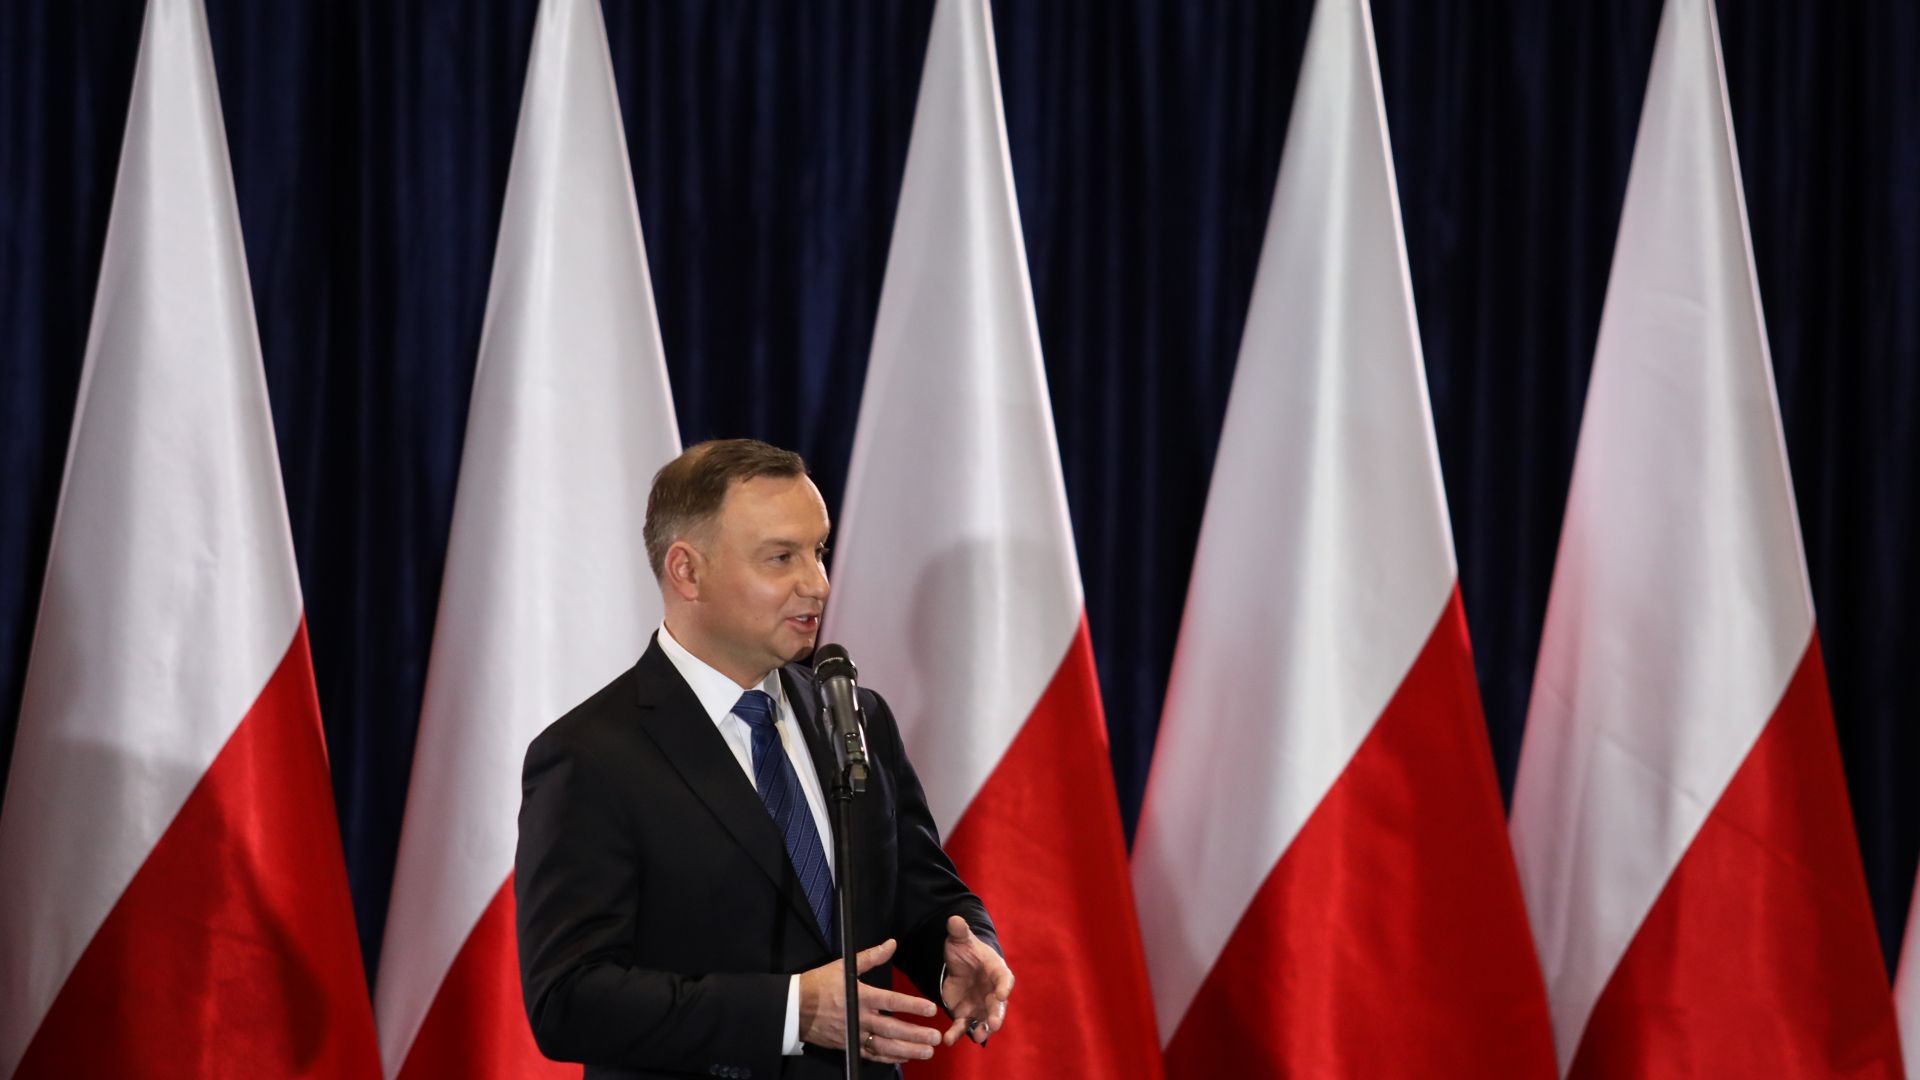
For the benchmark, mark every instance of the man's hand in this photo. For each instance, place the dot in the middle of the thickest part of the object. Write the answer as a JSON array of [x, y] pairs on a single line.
[[823, 1012], [976, 985]]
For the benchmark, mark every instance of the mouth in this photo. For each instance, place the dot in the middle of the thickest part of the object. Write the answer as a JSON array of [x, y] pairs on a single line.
[[807, 624]]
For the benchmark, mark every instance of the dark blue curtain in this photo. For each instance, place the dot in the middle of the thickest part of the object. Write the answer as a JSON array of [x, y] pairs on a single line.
[[370, 143]]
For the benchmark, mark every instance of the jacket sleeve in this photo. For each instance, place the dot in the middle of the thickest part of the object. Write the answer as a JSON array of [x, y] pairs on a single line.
[[576, 879], [930, 886]]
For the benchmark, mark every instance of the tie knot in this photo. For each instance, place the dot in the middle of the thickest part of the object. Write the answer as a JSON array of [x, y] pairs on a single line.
[[756, 708]]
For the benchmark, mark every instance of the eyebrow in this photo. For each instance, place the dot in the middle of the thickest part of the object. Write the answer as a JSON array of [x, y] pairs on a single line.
[[789, 545]]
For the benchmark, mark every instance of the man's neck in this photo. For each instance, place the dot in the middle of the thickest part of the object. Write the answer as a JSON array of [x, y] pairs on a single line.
[[702, 651]]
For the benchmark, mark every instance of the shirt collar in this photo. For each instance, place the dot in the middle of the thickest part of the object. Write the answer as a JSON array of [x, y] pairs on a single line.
[[718, 694]]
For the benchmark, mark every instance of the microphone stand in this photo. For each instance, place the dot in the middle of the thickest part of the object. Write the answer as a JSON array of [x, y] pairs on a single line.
[[845, 787], [840, 706]]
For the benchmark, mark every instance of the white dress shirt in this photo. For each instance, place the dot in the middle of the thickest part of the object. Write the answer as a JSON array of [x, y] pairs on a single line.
[[718, 695]]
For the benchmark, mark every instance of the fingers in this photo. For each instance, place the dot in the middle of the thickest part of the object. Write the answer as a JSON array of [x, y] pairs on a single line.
[[957, 928], [978, 1030], [903, 1031], [974, 1027], [954, 1031], [868, 959], [894, 1041], [893, 1051], [873, 997], [996, 1018]]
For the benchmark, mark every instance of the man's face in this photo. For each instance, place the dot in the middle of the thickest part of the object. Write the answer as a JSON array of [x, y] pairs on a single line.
[[764, 579]]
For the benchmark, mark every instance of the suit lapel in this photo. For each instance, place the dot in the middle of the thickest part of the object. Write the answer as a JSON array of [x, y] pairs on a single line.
[[673, 717]]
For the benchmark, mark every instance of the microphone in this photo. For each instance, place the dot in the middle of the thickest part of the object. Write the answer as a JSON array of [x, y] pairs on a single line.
[[837, 678]]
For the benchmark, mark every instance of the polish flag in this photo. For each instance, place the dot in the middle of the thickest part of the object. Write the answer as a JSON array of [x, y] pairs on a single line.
[[1680, 818], [546, 595], [1906, 994], [1322, 865], [175, 895], [959, 594]]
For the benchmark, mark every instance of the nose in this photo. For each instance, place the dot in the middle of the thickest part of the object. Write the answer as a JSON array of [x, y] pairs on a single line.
[[815, 585]]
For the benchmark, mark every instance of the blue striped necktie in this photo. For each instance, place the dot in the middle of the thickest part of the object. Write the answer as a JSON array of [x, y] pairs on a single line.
[[787, 803]]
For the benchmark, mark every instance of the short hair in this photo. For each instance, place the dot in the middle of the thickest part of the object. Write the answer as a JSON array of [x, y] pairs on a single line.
[[689, 490]]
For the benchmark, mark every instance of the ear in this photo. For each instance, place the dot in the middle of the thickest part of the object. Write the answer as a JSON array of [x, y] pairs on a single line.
[[682, 570]]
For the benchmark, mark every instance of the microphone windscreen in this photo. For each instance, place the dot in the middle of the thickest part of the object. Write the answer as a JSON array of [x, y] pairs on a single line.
[[832, 662]]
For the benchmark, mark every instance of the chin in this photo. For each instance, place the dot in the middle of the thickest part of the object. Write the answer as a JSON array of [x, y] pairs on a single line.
[[785, 650]]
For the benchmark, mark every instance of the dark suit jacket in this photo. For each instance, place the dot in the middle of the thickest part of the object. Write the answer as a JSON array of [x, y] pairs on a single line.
[[659, 916]]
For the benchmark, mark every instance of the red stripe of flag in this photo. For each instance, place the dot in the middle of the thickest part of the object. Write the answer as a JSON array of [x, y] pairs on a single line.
[[477, 1025], [223, 957], [1042, 843], [1390, 938], [1758, 957]]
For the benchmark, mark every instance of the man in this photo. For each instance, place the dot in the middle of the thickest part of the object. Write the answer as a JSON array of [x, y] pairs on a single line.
[[674, 876]]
